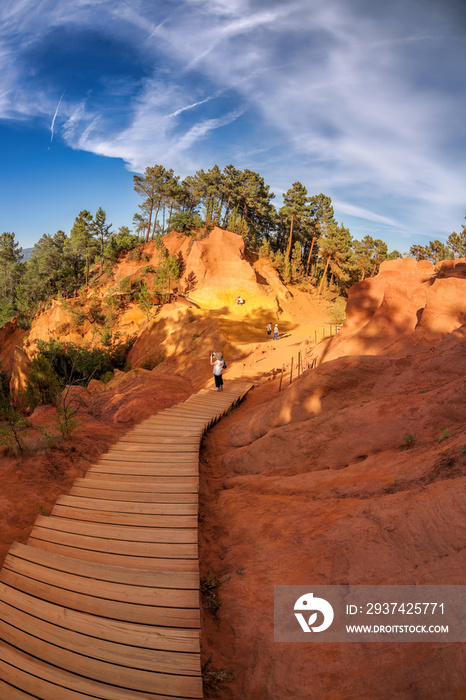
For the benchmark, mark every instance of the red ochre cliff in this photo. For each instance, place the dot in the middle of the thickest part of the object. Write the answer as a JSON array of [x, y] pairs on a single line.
[[353, 474], [345, 478]]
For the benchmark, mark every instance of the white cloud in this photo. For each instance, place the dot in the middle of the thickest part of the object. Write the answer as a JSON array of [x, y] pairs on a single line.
[[339, 95], [361, 213]]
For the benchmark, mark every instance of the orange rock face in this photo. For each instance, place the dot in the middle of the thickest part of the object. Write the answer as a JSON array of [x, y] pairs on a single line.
[[408, 302], [10, 335], [355, 474]]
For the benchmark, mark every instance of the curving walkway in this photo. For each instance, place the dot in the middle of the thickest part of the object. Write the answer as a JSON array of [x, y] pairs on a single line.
[[103, 601]]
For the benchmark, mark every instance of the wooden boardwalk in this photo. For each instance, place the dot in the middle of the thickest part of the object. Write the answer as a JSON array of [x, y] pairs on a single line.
[[103, 601]]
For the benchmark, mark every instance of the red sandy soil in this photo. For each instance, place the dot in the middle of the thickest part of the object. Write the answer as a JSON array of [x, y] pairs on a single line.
[[316, 485], [313, 484]]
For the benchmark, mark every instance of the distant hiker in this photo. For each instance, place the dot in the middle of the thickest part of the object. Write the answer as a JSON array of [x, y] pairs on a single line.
[[218, 365], [269, 330], [275, 332]]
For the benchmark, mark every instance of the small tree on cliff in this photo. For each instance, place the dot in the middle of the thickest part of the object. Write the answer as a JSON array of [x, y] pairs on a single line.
[[82, 238], [102, 231], [11, 269]]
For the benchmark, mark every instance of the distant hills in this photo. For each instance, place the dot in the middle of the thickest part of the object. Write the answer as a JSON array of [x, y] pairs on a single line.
[[27, 252]]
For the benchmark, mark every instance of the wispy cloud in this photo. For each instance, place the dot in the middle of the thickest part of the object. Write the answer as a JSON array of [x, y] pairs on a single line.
[[52, 127], [359, 100], [361, 213]]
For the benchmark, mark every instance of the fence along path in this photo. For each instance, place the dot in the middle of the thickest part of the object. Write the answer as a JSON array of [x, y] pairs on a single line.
[[103, 601]]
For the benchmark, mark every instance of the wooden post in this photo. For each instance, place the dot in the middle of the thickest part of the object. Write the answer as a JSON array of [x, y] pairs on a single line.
[[315, 336], [291, 370], [299, 362], [281, 378]]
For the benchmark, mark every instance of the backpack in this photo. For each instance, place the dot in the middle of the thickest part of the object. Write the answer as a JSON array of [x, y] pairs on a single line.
[[224, 364]]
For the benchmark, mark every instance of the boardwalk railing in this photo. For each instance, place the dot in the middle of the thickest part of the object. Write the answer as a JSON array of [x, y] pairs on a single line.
[[103, 600]]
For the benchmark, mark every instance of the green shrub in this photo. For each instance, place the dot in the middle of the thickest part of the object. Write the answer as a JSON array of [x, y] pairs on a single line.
[[151, 362], [185, 222], [409, 439], [125, 285], [43, 385], [336, 312], [76, 364], [106, 338], [211, 677], [443, 434]]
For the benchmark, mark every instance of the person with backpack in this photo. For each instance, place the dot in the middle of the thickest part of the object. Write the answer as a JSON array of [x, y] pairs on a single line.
[[275, 332], [218, 363], [269, 330]]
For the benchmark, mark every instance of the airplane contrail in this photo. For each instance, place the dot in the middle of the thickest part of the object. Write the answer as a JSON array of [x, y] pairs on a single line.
[[55, 116]]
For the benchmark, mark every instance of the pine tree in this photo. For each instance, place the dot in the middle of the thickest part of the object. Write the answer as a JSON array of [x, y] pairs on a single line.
[[321, 220], [11, 269], [296, 262], [82, 238], [294, 214], [102, 231]]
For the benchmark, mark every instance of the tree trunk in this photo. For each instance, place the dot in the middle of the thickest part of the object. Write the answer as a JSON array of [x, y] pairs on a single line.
[[155, 222], [148, 225], [288, 249], [170, 213], [225, 218], [309, 256], [323, 276]]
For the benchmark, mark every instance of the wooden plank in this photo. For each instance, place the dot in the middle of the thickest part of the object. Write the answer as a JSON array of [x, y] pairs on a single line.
[[141, 636], [154, 661], [7, 692], [163, 448], [105, 672], [164, 440], [129, 592], [178, 509], [117, 532], [154, 458], [85, 490], [115, 609], [174, 421], [169, 431], [48, 682], [148, 438], [164, 432], [143, 469], [182, 418], [117, 559], [102, 572], [159, 550], [162, 486], [136, 519], [198, 413], [144, 475], [155, 447]]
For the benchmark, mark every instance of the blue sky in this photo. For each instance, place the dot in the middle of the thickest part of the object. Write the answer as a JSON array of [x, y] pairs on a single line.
[[364, 101]]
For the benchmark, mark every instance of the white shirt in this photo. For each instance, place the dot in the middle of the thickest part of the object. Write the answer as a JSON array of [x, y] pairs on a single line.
[[218, 367]]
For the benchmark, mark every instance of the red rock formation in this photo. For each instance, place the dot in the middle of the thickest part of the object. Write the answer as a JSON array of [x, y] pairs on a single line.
[[408, 301], [355, 474], [10, 335]]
